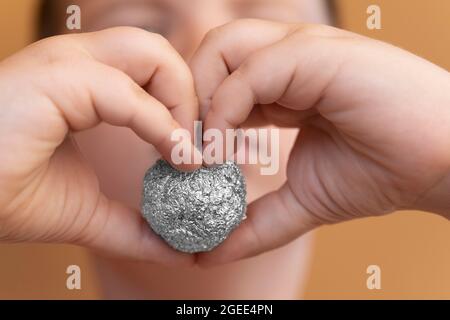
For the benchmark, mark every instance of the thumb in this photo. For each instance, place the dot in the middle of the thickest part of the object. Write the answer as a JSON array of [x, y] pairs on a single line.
[[272, 221], [117, 230]]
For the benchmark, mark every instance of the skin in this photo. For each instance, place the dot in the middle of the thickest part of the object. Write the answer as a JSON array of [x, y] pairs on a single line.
[[37, 201], [184, 24], [363, 123], [49, 192], [372, 116]]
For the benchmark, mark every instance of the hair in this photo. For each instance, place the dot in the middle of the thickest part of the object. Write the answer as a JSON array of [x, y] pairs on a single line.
[[46, 24], [333, 12], [47, 17]]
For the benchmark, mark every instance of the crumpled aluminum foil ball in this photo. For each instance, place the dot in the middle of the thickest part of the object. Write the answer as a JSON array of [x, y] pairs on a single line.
[[194, 211]]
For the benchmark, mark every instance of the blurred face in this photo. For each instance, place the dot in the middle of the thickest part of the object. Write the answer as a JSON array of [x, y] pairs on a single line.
[[185, 22], [118, 157]]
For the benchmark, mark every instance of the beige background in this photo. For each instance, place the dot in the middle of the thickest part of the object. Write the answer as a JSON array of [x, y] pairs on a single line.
[[413, 249]]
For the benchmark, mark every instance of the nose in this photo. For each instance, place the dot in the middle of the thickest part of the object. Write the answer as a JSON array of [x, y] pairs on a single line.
[[199, 20]]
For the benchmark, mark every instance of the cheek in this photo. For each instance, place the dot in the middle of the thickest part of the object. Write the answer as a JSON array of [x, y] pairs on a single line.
[[120, 160]]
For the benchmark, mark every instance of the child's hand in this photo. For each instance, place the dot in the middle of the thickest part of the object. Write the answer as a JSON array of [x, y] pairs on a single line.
[[71, 83], [375, 125]]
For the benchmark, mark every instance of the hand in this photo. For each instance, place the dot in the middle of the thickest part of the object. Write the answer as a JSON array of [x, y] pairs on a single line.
[[68, 84], [375, 125]]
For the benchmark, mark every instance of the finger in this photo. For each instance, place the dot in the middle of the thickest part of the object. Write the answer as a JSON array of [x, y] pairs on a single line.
[[78, 213], [272, 221], [152, 63], [120, 231], [224, 49], [93, 100], [293, 82]]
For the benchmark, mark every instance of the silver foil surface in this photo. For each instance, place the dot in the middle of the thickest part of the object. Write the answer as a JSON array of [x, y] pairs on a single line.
[[194, 211]]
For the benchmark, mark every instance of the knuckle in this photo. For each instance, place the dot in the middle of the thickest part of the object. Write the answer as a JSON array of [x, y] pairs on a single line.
[[58, 50], [59, 69], [213, 34], [138, 35], [239, 24], [243, 23], [125, 31], [317, 30], [160, 40]]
